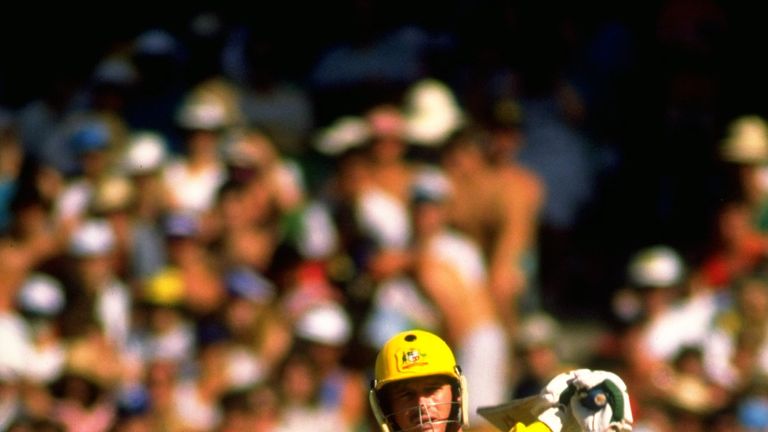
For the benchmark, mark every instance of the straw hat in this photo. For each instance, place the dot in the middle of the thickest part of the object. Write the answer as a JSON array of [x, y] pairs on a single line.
[[747, 141]]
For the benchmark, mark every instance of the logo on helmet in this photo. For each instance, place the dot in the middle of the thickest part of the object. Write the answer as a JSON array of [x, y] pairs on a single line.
[[412, 358]]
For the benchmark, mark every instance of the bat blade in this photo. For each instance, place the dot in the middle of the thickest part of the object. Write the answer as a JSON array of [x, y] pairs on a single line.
[[523, 410]]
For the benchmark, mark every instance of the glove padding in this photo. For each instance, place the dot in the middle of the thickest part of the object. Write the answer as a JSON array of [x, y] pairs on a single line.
[[557, 394], [599, 401]]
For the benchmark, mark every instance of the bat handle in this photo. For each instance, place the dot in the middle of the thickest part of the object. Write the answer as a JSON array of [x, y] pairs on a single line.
[[594, 399]]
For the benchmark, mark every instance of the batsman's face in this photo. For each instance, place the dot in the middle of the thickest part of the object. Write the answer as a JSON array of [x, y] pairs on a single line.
[[422, 404]]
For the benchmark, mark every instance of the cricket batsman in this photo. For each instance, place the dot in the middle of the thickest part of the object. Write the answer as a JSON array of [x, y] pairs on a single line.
[[418, 386]]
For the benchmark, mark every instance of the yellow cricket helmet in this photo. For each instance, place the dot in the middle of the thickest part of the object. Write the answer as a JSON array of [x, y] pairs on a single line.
[[414, 354]]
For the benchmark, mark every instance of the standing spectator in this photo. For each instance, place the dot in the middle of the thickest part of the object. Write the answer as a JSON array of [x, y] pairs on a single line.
[[97, 295], [449, 267], [193, 178], [188, 255], [300, 395], [736, 351], [252, 322], [537, 348], [324, 332], [483, 206], [736, 249], [142, 162], [91, 141], [41, 300], [745, 148], [506, 140], [669, 314], [251, 153]]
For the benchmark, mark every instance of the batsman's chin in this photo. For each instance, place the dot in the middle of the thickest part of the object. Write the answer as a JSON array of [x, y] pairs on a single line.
[[427, 426]]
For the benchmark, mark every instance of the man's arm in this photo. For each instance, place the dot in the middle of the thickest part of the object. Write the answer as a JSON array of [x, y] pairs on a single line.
[[579, 400]]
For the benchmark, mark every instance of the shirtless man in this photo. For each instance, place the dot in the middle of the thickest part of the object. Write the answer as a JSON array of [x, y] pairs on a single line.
[[449, 268], [505, 141], [497, 210]]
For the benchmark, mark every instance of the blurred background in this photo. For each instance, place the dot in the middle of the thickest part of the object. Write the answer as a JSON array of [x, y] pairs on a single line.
[[238, 205]]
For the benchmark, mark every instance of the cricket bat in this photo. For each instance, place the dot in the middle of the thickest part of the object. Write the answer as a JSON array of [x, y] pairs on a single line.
[[523, 410]]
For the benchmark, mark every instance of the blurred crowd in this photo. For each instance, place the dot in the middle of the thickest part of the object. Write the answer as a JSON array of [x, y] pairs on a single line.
[[192, 241]]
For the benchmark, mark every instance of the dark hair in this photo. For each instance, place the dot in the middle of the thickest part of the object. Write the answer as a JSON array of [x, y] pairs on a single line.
[[470, 136]]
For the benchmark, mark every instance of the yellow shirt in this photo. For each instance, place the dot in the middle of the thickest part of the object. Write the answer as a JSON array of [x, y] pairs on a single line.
[[533, 427]]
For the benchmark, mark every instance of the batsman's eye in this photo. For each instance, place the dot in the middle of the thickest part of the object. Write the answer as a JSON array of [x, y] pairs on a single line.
[[402, 395]]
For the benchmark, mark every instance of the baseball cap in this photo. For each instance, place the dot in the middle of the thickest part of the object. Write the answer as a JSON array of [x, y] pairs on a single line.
[[430, 186], [252, 148], [181, 224], [325, 323], [90, 136], [41, 295], [246, 283], [345, 133], [656, 266], [537, 330], [146, 152], [115, 70], [156, 42], [746, 141], [92, 238], [209, 106], [164, 288], [111, 194], [202, 115]]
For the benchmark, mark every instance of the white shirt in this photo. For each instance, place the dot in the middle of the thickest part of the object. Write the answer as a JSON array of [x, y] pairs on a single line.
[[113, 311], [193, 191], [460, 252], [385, 218], [14, 334]]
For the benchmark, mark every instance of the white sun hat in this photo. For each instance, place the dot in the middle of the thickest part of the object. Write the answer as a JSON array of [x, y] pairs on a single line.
[[92, 238], [343, 134], [432, 113], [41, 294], [146, 152], [747, 140], [656, 266], [325, 323]]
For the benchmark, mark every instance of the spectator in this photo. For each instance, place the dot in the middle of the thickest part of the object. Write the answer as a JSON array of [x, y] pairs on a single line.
[[193, 178], [539, 354], [324, 331], [142, 163], [299, 389], [449, 268], [96, 294], [506, 140], [483, 206]]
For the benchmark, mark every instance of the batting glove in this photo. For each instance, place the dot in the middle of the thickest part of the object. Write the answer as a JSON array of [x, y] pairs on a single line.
[[556, 393], [599, 401]]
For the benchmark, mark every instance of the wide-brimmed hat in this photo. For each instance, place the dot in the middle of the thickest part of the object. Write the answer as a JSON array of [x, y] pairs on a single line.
[[746, 141]]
